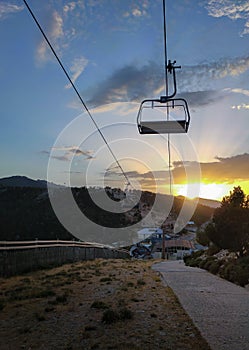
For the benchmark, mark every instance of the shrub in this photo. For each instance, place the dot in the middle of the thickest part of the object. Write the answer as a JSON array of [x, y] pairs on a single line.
[[208, 262], [125, 314], [242, 277], [98, 304], [194, 259], [110, 316], [214, 267], [194, 262], [141, 282], [2, 305], [202, 264], [213, 249], [234, 272], [105, 279]]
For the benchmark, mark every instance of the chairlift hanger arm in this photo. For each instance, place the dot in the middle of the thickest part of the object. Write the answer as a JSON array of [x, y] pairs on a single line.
[[171, 69]]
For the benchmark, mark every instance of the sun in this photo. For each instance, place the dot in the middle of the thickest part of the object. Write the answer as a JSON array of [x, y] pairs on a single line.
[[213, 191]]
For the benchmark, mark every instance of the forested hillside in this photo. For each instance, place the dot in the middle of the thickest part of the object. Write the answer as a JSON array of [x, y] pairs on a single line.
[[26, 213]]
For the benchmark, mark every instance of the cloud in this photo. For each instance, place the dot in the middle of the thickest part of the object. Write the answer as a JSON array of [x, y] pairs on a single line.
[[231, 9], [128, 83], [239, 91], [69, 7], [242, 106], [63, 158], [224, 170], [139, 10], [54, 32], [69, 153], [204, 75], [73, 150], [78, 66], [7, 9], [133, 83], [156, 175], [203, 98]]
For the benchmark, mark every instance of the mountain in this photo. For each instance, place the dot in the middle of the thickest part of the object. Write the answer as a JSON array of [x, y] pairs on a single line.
[[22, 181], [26, 212], [209, 202]]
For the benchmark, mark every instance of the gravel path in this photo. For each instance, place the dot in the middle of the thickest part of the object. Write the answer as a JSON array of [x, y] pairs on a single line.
[[219, 309]]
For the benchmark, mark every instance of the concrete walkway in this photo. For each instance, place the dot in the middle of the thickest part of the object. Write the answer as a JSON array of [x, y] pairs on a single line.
[[218, 308]]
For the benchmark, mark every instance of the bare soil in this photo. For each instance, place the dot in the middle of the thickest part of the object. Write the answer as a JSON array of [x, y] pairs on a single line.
[[101, 304]]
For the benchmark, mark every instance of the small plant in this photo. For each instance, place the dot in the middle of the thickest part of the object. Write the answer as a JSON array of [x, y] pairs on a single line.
[[61, 299], [125, 314], [98, 304], [214, 267], [45, 293], [105, 279], [49, 309], [90, 328], [110, 316], [135, 300], [39, 316], [130, 284], [141, 282], [2, 305]]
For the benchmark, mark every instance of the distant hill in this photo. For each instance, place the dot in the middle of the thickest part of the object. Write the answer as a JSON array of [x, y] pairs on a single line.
[[203, 201], [23, 181], [26, 212], [209, 202]]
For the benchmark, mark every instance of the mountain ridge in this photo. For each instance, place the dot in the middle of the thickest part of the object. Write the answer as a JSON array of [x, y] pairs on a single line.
[[24, 181]]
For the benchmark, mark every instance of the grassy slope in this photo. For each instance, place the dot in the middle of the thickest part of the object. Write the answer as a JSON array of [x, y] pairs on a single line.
[[63, 308]]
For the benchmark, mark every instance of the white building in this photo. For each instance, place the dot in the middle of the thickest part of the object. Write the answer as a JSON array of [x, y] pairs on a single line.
[[148, 232]]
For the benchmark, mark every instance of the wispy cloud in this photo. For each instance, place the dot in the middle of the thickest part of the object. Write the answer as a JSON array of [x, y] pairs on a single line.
[[231, 9], [73, 150], [68, 153], [135, 83], [239, 91], [69, 7], [7, 9], [241, 106], [77, 68], [54, 33], [63, 158]]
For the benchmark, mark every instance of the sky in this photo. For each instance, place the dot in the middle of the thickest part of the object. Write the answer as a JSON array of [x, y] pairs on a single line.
[[113, 51]]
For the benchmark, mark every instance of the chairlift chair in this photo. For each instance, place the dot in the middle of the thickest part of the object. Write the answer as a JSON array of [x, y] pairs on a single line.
[[166, 115], [163, 116]]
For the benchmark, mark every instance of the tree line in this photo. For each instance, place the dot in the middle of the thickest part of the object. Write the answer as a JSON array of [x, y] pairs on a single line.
[[229, 227]]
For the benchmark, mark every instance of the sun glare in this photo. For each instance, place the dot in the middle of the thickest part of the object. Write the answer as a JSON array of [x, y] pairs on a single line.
[[210, 191]]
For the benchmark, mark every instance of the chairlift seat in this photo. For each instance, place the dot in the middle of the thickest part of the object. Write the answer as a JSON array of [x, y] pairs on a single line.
[[163, 127], [176, 124]]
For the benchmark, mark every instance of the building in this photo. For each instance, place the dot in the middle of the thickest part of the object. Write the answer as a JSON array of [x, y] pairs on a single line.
[[174, 249], [149, 232]]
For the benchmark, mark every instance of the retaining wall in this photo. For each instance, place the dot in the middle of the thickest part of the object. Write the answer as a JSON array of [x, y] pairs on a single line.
[[18, 261]]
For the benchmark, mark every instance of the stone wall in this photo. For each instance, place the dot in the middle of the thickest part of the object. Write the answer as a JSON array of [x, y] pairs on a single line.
[[18, 261]]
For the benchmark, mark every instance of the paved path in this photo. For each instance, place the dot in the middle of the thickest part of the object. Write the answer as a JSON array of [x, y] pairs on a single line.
[[219, 309]]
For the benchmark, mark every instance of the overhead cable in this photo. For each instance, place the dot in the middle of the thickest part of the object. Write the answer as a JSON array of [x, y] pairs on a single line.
[[76, 90]]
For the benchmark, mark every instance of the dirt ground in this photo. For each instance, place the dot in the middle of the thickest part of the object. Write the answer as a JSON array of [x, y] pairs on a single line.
[[101, 304]]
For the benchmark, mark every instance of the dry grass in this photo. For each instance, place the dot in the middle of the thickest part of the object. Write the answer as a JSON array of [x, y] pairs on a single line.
[[101, 304]]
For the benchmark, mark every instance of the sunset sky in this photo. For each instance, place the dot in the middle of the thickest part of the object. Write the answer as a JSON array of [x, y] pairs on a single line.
[[113, 51]]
